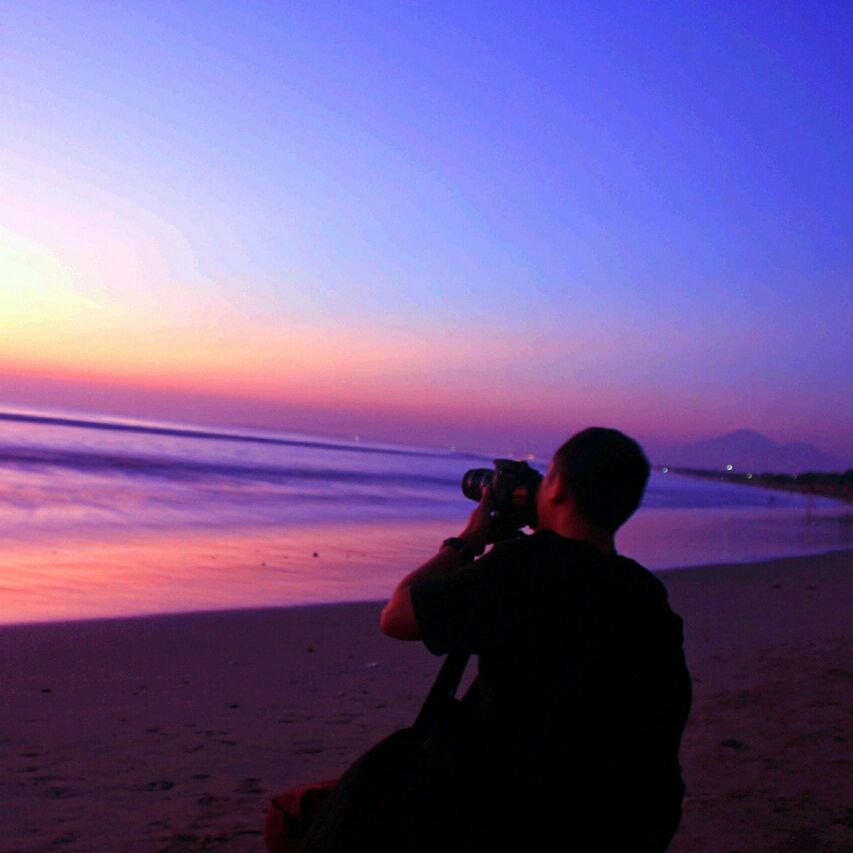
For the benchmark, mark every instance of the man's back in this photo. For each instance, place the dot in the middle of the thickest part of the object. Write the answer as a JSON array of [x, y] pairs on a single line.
[[582, 690]]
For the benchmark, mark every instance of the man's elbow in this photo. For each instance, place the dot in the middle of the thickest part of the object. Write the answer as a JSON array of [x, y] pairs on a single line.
[[386, 621], [397, 619]]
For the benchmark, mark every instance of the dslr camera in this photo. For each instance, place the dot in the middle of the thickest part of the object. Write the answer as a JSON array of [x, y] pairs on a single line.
[[513, 487]]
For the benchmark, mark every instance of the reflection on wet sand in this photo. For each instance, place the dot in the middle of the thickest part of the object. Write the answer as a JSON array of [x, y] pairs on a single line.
[[114, 572]]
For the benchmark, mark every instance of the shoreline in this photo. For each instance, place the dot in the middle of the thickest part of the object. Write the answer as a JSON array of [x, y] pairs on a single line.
[[170, 732], [278, 572], [837, 486]]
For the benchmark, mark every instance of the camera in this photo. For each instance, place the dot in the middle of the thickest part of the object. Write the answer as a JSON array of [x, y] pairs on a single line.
[[513, 487]]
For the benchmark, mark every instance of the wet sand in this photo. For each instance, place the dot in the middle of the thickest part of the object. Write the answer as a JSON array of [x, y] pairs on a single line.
[[171, 732]]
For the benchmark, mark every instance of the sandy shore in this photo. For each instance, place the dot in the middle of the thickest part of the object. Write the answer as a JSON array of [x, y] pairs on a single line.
[[171, 733]]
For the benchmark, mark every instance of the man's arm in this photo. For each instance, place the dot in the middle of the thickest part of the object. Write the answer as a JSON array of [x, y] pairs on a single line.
[[398, 617]]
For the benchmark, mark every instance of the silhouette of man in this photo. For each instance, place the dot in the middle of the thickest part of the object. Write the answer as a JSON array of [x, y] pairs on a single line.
[[582, 691]]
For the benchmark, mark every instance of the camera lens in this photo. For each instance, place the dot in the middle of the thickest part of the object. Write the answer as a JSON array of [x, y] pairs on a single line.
[[475, 481]]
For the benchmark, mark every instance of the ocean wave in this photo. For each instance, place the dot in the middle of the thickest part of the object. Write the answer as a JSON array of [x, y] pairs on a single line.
[[185, 470], [210, 435]]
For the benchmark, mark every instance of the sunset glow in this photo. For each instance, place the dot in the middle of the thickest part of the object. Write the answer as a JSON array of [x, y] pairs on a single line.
[[244, 220]]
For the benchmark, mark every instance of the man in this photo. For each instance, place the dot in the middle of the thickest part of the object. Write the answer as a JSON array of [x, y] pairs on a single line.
[[582, 691]]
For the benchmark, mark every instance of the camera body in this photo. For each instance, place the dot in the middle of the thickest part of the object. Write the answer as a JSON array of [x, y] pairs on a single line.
[[513, 486]]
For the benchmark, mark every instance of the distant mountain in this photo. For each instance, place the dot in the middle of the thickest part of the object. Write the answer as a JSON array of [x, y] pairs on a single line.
[[747, 450]]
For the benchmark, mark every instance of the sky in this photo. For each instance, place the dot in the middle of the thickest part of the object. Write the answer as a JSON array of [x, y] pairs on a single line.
[[442, 223]]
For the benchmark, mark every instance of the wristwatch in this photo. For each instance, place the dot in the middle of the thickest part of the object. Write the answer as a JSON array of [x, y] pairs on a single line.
[[460, 545]]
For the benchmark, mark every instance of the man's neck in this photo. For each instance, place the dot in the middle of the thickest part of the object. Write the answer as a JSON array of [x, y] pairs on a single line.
[[576, 528]]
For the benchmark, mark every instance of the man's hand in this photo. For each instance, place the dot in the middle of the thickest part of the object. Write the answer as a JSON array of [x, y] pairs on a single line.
[[479, 531], [398, 618]]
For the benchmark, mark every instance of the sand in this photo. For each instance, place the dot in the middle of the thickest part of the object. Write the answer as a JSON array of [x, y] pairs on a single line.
[[171, 733]]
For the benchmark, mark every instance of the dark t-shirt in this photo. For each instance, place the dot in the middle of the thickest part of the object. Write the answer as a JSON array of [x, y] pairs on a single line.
[[582, 689]]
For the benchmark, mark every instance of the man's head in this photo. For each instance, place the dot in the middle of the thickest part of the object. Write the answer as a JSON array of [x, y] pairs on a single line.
[[598, 475]]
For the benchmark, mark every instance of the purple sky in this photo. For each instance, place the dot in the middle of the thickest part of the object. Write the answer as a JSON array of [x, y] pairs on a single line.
[[502, 220]]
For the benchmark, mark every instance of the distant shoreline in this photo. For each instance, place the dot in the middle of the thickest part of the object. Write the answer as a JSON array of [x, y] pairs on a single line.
[[824, 485]]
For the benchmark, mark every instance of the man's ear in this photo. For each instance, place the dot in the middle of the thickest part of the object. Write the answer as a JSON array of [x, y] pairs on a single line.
[[557, 490]]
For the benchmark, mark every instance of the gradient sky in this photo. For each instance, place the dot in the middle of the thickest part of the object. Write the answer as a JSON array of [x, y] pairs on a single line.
[[450, 223]]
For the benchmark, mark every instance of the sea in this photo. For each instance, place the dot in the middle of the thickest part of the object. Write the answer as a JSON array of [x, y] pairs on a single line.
[[104, 517]]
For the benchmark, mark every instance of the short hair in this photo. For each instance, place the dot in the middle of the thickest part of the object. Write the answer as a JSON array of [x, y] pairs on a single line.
[[606, 473]]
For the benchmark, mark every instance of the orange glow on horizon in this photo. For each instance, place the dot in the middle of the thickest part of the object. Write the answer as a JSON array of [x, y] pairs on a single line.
[[412, 411], [320, 392]]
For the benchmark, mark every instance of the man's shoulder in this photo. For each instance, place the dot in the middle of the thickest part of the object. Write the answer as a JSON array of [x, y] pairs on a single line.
[[549, 542], [544, 549], [637, 579], [631, 571], [548, 548], [636, 597], [582, 566], [564, 571]]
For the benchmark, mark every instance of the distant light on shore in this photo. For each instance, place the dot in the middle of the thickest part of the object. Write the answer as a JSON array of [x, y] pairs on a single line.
[[664, 470], [729, 467]]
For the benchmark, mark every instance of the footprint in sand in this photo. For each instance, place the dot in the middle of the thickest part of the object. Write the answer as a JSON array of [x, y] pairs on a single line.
[[59, 793], [835, 671], [287, 719], [250, 786], [159, 785], [308, 749]]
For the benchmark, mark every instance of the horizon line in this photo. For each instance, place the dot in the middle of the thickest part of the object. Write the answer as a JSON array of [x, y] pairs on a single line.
[[214, 435]]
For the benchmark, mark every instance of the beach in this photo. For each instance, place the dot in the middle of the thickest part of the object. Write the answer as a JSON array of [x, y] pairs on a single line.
[[172, 732]]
